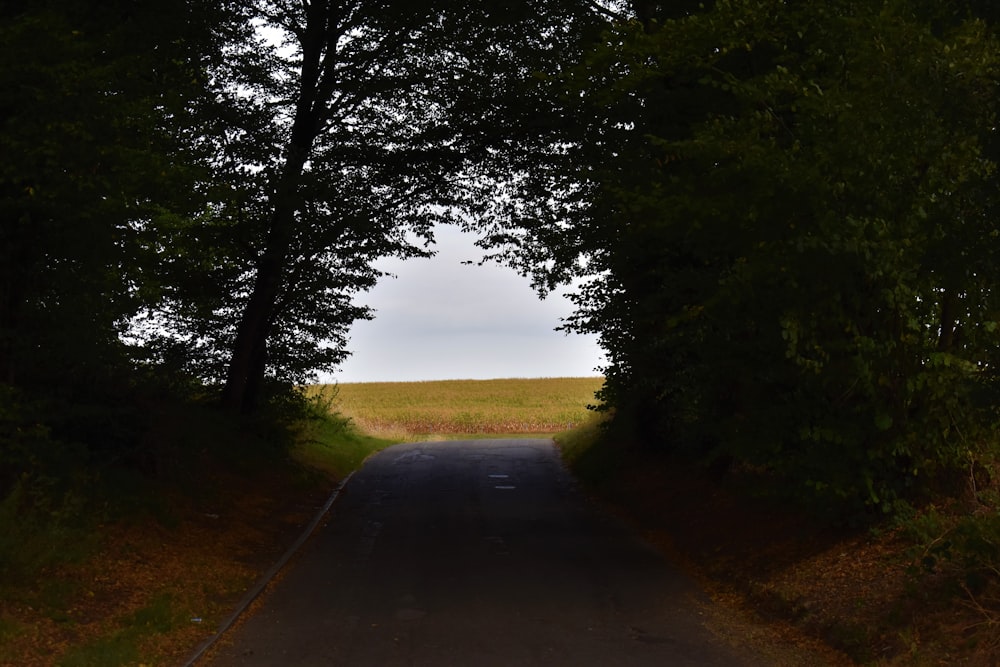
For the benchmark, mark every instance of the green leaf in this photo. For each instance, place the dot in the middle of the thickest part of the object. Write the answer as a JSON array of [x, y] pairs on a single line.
[[883, 422]]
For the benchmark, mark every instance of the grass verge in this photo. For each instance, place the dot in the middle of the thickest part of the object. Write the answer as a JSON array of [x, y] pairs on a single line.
[[147, 566], [332, 445], [122, 646], [590, 455], [139, 564], [918, 592]]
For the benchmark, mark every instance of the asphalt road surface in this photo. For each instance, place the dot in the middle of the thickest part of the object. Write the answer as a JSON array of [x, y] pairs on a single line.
[[475, 554]]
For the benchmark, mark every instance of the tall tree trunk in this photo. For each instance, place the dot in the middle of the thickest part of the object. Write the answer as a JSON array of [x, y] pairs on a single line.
[[18, 265], [245, 377], [248, 364], [947, 325], [242, 384]]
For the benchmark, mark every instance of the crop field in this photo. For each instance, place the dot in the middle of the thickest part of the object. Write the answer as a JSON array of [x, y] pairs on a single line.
[[448, 407]]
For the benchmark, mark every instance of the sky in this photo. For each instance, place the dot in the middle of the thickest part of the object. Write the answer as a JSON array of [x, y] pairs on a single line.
[[442, 320]]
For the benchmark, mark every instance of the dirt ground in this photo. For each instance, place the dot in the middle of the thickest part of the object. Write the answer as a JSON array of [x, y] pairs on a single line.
[[787, 586], [787, 582], [203, 563]]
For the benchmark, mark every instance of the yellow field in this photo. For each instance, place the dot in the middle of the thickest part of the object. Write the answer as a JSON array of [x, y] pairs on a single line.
[[545, 405]]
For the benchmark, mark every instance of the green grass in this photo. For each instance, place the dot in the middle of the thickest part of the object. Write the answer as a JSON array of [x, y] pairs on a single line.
[[414, 410], [161, 615], [119, 649], [335, 434], [576, 442], [592, 458], [34, 538], [335, 447], [9, 630]]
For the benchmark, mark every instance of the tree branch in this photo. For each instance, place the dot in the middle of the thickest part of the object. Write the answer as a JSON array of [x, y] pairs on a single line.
[[607, 12]]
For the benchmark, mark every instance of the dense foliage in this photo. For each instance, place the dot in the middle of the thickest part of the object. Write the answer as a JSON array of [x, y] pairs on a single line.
[[782, 213], [193, 193], [100, 114], [777, 215]]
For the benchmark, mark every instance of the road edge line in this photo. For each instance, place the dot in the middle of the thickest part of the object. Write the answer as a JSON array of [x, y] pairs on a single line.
[[264, 580]]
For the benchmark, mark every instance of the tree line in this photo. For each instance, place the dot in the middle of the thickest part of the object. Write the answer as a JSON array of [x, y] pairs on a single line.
[[783, 215], [777, 214], [193, 192]]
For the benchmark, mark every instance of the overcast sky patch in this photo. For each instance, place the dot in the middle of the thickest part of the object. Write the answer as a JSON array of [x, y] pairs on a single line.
[[440, 319]]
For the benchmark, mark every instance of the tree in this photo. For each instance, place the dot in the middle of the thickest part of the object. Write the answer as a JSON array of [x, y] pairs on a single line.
[[96, 114], [783, 210], [99, 129], [370, 128]]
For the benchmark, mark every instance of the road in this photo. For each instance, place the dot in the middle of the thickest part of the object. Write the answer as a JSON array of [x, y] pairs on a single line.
[[474, 553]]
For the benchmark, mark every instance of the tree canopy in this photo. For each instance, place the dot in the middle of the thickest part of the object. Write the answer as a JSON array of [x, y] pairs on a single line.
[[783, 215], [96, 113], [778, 215], [193, 195], [366, 124]]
